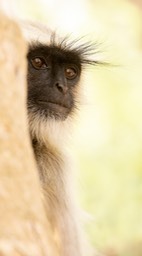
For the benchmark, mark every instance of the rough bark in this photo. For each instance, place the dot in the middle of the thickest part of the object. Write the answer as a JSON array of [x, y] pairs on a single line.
[[24, 229]]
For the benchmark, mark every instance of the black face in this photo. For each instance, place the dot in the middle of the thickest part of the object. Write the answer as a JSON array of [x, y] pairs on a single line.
[[53, 75]]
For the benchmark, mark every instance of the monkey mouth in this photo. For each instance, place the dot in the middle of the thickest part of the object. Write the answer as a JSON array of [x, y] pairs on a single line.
[[57, 104], [55, 108]]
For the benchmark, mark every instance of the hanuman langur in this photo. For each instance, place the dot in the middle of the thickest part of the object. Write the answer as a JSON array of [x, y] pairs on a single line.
[[54, 73]]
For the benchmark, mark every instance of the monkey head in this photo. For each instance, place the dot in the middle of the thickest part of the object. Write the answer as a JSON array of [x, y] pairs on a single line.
[[55, 66], [53, 77]]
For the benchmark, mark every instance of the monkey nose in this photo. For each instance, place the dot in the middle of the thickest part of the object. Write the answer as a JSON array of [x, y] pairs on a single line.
[[61, 87]]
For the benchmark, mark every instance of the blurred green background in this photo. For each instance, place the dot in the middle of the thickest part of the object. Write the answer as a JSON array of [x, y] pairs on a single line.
[[108, 145]]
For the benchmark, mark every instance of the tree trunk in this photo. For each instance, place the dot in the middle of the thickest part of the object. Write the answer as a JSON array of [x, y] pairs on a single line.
[[24, 229]]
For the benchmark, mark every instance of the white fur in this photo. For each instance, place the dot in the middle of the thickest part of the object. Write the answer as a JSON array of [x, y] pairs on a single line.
[[50, 131], [35, 32]]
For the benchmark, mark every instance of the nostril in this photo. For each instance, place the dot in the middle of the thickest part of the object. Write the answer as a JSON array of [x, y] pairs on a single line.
[[61, 87]]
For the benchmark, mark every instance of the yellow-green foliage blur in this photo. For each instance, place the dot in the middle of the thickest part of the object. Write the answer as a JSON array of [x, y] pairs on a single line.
[[109, 143]]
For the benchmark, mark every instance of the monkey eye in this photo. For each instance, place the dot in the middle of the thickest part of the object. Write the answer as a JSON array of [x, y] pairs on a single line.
[[71, 72], [39, 63]]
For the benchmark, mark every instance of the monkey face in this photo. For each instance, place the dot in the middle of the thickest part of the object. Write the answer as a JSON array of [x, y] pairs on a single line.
[[53, 75]]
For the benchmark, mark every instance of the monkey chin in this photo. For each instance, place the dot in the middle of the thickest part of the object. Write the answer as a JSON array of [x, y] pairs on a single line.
[[54, 110], [50, 126]]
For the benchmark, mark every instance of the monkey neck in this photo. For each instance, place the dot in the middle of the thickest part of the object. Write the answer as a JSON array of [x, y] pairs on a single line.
[[53, 173], [48, 157], [56, 189]]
